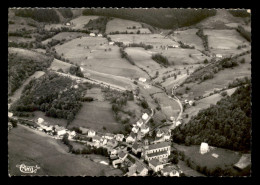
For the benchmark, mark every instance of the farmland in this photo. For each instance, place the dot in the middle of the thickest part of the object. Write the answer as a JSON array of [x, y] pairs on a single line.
[[65, 36], [58, 64], [81, 21], [26, 146]]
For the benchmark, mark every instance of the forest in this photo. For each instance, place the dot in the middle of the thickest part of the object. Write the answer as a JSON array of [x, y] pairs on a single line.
[[19, 69], [52, 94], [226, 124], [166, 18]]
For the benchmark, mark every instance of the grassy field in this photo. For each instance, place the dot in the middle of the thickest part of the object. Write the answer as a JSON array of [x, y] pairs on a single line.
[[189, 37], [96, 115], [226, 157], [122, 25], [65, 35], [58, 64], [49, 120], [27, 147], [220, 80], [79, 22], [156, 40]]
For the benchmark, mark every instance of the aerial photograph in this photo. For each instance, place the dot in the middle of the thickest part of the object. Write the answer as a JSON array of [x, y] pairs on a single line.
[[129, 92]]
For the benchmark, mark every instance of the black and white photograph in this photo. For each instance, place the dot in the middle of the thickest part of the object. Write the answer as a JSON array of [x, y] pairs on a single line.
[[122, 92]]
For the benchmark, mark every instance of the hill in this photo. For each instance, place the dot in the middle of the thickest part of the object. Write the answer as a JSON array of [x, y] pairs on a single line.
[[166, 18], [225, 125]]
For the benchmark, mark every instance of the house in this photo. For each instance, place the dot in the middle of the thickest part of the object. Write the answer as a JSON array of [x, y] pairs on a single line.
[[119, 137], [191, 102], [156, 165], [10, 114], [135, 129], [67, 24], [92, 34], [167, 136], [136, 148], [144, 129], [96, 139], [131, 138], [139, 123], [113, 152], [132, 170], [159, 133], [204, 148], [84, 130], [115, 162], [113, 157], [172, 118], [157, 151], [243, 162], [122, 155], [40, 120], [59, 132], [178, 123], [139, 136], [145, 116], [111, 43], [103, 141], [214, 155], [141, 170], [91, 133], [170, 171], [218, 55], [141, 79], [99, 35], [108, 136], [72, 134]]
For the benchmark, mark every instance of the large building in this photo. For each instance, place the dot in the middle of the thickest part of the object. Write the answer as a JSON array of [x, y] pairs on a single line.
[[157, 151]]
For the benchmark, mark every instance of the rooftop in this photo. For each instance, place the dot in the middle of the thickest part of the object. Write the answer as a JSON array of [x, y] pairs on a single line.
[[96, 137], [139, 167], [157, 153], [155, 162], [159, 145], [121, 154], [135, 146]]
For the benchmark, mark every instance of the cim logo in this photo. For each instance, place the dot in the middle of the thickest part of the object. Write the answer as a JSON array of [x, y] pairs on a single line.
[[28, 169]]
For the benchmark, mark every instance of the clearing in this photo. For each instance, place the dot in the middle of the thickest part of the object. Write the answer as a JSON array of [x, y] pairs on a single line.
[[81, 21], [65, 35], [58, 64]]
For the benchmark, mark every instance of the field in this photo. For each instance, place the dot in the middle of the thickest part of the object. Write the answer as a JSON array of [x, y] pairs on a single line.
[[220, 79], [65, 35], [226, 157], [28, 54], [58, 64], [20, 39], [225, 41], [122, 25], [156, 40], [205, 103], [29, 148], [169, 107], [79, 22], [96, 115], [98, 61], [189, 37]]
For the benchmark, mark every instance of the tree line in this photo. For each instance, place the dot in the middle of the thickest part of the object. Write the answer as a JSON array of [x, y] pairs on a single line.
[[226, 124]]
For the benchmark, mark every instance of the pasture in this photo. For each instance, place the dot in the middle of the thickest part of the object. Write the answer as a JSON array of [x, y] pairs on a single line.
[[189, 37], [79, 22], [27, 147], [226, 157], [96, 115], [122, 25], [156, 40]]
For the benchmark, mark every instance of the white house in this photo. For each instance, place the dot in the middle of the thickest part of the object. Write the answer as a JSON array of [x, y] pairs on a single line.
[[40, 120], [159, 133], [112, 143], [111, 43], [99, 35], [92, 34], [190, 102], [144, 129], [135, 129], [178, 123], [72, 134], [136, 148], [139, 123], [131, 138], [204, 148], [218, 55], [113, 152], [172, 118], [145, 116], [61, 132], [167, 136], [91, 133], [67, 24], [103, 141], [96, 139], [156, 165], [108, 136], [119, 137], [157, 151], [142, 79], [10, 114]]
